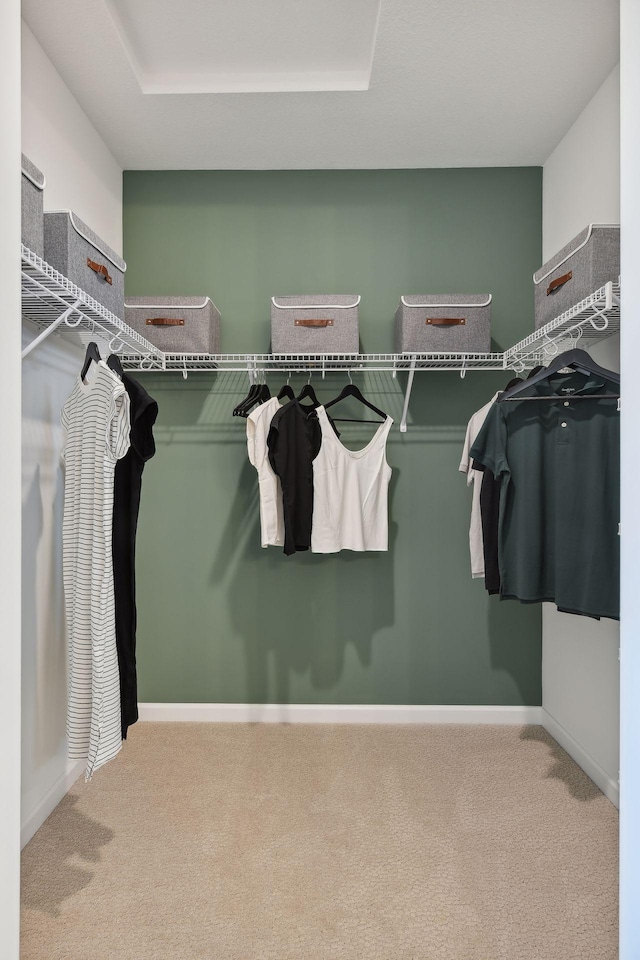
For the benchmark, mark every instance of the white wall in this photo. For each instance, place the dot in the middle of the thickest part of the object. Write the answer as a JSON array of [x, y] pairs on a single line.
[[82, 175], [581, 178], [630, 541], [10, 482], [48, 376], [580, 669]]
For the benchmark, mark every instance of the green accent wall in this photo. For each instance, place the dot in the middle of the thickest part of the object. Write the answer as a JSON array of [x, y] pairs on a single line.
[[219, 618]]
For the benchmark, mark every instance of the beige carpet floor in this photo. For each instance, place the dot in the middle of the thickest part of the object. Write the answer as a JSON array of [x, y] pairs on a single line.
[[269, 842]]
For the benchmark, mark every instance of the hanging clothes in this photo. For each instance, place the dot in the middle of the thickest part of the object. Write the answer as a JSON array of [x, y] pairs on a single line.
[[96, 422], [126, 506], [490, 513], [558, 463], [294, 440], [474, 480], [270, 489], [350, 492]]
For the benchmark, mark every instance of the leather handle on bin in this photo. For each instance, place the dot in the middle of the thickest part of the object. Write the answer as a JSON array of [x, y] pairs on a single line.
[[446, 321], [164, 322], [559, 282], [313, 323], [100, 269]]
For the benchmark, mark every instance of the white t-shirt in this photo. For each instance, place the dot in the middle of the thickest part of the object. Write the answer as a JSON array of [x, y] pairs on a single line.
[[350, 492], [271, 513], [474, 478]]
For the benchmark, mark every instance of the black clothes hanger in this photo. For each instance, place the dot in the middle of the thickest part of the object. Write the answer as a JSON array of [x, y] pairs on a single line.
[[308, 391], [260, 394], [248, 400], [578, 360], [92, 354], [114, 364], [352, 391], [264, 394], [512, 383], [286, 391]]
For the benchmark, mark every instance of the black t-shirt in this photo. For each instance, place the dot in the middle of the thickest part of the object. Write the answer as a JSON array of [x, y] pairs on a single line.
[[126, 505], [490, 514], [294, 441]]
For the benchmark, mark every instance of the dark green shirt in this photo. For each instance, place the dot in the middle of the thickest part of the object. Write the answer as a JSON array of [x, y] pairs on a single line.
[[559, 463]]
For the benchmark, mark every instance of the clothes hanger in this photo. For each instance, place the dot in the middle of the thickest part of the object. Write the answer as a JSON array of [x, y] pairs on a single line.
[[114, 364], [259, 393], [248, 401], [92, 354], [352, 391], [512, 383], [578, 360], [265, 393], [262, 396], [308, 391], [251, 400], [286, 391]]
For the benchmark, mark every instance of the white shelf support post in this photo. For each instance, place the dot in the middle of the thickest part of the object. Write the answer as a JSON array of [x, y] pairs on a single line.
[[407, 396], [51, 328]]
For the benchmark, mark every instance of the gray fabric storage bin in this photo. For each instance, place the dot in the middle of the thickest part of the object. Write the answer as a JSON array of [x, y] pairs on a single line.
[[33, 182], [72, 248], [444, 323], [586, 263], [176, 324], [315, 324]]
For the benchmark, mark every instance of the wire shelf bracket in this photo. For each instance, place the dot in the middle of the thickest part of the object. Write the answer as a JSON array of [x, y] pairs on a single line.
[[407, 397]]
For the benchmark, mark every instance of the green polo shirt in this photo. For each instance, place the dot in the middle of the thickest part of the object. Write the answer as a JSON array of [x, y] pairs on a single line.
[[559, 463]]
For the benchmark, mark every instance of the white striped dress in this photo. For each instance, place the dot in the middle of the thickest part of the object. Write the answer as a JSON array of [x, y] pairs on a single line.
[[96, 422]]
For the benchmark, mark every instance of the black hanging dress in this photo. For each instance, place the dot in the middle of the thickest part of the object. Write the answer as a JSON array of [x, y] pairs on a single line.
[[126, 505]]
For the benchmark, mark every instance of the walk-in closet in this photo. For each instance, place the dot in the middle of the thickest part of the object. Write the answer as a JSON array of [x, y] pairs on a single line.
[[320, 512]]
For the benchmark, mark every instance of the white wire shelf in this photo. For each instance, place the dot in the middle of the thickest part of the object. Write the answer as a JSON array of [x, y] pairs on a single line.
[[589, 322], [56, 305]]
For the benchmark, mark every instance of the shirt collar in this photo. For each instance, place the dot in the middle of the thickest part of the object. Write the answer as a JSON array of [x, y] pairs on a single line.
[[571, 385]]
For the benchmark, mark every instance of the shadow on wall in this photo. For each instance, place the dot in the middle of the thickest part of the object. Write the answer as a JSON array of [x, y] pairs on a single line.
[[75, 836], [562, 767], [333, 602], [279, 629]]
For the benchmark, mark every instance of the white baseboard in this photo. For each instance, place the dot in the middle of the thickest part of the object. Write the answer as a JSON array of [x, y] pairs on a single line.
[[335, 713], [34, 820], [591, 767]]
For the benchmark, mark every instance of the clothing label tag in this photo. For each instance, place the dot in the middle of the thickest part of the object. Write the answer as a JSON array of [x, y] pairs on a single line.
[[568, 389]]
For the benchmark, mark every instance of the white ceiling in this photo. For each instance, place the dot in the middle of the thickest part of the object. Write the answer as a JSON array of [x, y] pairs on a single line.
[[244, 46], [329, 83]]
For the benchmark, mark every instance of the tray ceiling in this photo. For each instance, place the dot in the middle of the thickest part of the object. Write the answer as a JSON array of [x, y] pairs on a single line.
[[241, 46], [286, 84]]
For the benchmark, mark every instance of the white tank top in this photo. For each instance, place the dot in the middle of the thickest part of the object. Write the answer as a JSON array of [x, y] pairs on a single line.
[[350, 493]]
